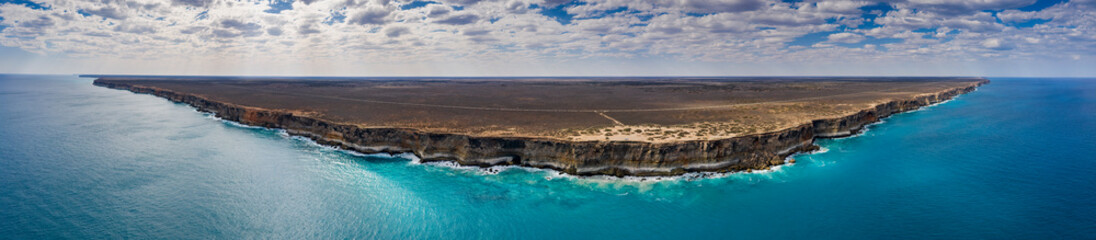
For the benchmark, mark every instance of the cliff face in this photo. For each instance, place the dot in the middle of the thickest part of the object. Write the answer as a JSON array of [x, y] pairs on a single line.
[[579, 158]]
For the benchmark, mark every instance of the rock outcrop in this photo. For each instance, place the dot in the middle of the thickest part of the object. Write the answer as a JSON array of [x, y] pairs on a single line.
[[616, 158]]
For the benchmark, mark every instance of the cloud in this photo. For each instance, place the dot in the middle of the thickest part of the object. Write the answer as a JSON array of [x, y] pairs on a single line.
[[910, 20], [231, 28], [516, 6], [370, 15], [717, 6], [476, 32], [996, 44], [134, 28], [274, 31], [720, 31], [240, 25], [957, 7], [194, 3], [98, 34], [438, 11], [845, 37], [553, 3], [1084, 3], [842, 7], [462, 19], [222, 33], [40, 22], [396, 31], [307, 29], [107, 12]]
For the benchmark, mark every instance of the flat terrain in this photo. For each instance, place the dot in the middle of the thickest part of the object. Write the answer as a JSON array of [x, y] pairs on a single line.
[[580, 109]]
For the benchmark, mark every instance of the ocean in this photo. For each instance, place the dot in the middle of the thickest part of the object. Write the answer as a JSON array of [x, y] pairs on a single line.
[[1014, 160]]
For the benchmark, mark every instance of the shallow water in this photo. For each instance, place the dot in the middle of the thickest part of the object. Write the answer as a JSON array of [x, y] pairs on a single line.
[[1014, 159]]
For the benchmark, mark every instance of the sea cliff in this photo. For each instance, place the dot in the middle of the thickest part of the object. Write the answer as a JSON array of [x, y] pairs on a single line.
[[616, 158]]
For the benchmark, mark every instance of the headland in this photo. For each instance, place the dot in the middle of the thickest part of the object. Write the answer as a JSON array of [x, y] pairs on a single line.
[[581, 126]]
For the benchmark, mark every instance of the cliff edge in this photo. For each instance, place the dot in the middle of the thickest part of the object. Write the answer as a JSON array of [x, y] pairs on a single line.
[[615, 158]]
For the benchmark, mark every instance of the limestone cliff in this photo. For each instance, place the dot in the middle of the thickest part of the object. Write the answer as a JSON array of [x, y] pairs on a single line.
[[617, 158]]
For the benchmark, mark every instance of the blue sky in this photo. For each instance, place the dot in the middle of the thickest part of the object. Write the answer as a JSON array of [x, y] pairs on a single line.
[[549, 37]]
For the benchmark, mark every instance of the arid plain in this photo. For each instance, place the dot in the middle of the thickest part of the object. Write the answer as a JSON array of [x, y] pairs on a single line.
[[578, 109]]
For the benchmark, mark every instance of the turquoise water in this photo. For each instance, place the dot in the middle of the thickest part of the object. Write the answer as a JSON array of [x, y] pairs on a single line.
[[1013, 160]]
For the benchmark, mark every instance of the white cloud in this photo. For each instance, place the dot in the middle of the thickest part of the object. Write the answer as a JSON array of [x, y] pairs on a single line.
[[843, 7], [956, 7], [845, 37], [396, 31], [716, 6], [996, 44], [371, 15], [374, 32], [461, 19]]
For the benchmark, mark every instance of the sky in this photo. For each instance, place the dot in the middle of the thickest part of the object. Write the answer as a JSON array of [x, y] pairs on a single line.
[[1020, 38]]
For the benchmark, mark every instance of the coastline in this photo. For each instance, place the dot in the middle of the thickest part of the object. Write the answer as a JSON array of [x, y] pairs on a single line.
[[581, 158]]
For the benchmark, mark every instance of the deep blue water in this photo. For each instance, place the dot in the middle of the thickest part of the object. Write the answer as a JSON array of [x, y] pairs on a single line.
[[1015, 159]]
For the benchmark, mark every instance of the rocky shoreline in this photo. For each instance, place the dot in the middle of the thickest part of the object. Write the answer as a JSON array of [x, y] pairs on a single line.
[[615, 158]]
